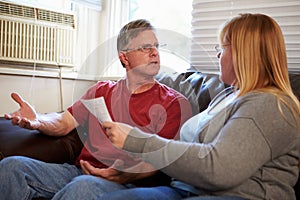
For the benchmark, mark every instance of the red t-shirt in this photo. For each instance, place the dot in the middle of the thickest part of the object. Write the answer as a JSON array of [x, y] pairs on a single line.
[[159, 110]]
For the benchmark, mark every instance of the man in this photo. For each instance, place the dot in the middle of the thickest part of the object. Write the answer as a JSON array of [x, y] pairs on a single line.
[[137, 100]]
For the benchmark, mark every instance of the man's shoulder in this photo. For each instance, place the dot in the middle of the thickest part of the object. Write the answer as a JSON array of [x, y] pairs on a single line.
[[174, 97], [170, 91], [100, 87], [105, 84]]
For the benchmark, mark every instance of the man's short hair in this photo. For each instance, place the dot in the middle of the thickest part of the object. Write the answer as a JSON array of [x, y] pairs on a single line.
[[130, 31]]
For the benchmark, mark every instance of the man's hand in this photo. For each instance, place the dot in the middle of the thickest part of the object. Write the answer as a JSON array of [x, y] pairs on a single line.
[[117, 132], [142, 170], [109, 173], [26, 116]]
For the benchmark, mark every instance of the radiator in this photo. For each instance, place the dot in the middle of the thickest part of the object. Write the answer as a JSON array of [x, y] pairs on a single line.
[[34, 35]]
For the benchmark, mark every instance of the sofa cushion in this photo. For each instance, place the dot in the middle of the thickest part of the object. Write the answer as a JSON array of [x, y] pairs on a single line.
[[295, 83], [199, 88], [19, 141]]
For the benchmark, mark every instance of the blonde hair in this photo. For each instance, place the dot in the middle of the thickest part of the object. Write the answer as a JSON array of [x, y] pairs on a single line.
[[259, 57]]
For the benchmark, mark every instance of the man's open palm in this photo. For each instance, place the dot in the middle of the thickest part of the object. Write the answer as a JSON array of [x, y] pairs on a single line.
[[25, 117]]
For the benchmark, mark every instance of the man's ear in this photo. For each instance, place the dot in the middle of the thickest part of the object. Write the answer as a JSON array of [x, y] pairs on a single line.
[[123, 58]]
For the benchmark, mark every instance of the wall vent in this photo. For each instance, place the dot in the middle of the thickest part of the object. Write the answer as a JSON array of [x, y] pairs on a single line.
[[34, 35]]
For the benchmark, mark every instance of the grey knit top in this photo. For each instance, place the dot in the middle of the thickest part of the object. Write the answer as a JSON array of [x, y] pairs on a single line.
[[238, 146]]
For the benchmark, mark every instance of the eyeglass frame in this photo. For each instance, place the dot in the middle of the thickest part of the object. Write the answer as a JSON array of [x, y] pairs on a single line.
[[146, 48], [220, 49]]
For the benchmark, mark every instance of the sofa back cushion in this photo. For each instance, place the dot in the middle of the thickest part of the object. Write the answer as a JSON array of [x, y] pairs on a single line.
[[201, 88]]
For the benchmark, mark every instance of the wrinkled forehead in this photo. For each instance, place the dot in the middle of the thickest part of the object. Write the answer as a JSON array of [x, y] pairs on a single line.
[[143, 37]]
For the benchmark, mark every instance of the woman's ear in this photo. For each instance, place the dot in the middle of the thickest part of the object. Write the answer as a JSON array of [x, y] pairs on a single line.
[[123, 58]]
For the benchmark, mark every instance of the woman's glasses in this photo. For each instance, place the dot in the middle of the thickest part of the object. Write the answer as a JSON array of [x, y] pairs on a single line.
[[221, 49]]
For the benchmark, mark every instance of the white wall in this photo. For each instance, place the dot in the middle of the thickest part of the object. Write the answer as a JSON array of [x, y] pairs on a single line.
[[42, 93]]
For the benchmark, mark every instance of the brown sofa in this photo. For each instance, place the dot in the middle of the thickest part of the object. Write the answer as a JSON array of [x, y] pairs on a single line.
[[198, 87]]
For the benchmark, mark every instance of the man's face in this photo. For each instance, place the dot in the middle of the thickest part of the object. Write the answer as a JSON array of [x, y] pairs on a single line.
[[142, 55]]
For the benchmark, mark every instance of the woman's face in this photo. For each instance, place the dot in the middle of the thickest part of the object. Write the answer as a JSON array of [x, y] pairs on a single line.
[[227, 74]]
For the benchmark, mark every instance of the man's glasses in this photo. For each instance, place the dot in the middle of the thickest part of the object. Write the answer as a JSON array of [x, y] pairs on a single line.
[[146, 48]]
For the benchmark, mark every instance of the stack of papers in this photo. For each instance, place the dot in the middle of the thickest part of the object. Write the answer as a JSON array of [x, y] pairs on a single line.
[[98, 108]]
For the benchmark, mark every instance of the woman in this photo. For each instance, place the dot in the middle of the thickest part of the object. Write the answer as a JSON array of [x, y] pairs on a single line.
[[246, 144]]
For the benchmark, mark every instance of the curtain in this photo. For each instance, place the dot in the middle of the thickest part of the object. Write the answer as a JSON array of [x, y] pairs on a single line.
[[208, 15], [92, 4]]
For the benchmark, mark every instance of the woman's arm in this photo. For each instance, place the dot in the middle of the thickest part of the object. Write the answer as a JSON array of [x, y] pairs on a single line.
[[243, 145], [224, 163]]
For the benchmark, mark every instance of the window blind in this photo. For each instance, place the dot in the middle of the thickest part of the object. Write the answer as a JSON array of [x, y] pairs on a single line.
[[208, 15]]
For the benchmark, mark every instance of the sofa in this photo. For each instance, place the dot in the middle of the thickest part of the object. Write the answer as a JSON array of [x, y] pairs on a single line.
[[198, 87]]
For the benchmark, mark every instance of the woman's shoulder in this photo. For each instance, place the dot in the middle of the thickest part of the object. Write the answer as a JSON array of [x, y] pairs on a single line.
[[273, 118], [259, 96], [258, 100], [266, 100], [267, 110]]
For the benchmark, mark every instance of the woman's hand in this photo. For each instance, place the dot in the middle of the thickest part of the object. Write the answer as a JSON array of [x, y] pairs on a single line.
[[117, 132]]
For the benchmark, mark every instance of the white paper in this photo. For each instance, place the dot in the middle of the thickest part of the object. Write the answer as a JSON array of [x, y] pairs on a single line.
[[98, 108]]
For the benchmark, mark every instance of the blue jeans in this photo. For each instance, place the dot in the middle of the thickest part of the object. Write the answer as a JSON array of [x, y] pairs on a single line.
[[215, 198], [159, 193], [25, 178], [151, 193]]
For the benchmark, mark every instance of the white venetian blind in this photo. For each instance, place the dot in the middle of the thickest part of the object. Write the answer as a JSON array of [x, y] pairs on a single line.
[[208, 15]]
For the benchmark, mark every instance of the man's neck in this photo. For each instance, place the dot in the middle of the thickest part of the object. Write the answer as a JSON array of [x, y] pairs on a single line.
[[136, 85]]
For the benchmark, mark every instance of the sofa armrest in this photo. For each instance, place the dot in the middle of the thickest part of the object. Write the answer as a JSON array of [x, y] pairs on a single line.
[[18, 141]]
